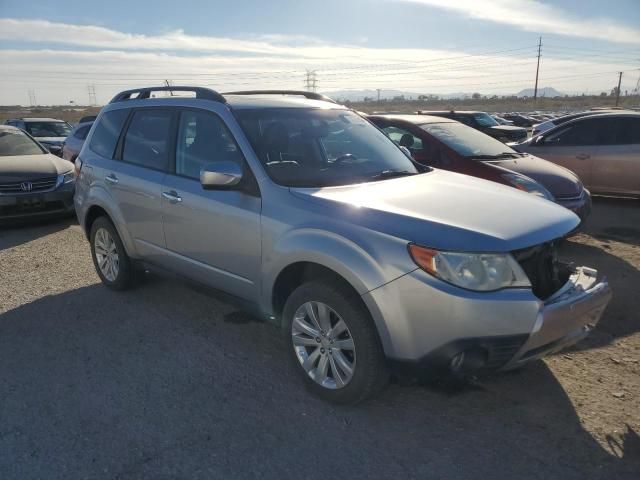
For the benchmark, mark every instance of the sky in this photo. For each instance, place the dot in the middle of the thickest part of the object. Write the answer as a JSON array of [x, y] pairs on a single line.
[[56, 52]]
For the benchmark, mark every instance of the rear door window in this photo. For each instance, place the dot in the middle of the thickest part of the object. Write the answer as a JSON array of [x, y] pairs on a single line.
[[586, 132], [105, 137], [148, 138]]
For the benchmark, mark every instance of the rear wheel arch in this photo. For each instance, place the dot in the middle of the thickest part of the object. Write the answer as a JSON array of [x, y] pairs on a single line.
[[94, 212]]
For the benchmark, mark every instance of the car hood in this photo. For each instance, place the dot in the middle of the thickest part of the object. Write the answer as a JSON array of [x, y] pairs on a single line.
[[51, 140], [507, 128], [560, 181], [27, 167], [446, 210]]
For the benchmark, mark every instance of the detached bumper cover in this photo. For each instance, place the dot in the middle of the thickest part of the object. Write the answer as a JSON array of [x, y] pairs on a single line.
[[566, 317]]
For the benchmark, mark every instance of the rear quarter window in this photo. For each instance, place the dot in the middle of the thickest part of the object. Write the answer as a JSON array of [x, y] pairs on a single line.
[[107, 131]]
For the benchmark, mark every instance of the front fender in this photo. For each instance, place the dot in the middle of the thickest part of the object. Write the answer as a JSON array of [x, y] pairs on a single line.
[[345, 257]]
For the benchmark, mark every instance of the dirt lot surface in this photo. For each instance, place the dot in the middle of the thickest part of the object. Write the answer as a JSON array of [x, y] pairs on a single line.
[[166, 382]]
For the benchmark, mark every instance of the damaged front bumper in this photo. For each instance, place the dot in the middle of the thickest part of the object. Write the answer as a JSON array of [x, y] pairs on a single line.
[[566, 317]]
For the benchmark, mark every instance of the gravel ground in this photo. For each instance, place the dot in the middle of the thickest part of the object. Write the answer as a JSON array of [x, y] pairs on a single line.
[[166, 382]]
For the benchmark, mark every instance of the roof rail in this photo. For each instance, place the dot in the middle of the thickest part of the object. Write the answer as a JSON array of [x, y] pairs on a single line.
[[302, 93], [142, 93]]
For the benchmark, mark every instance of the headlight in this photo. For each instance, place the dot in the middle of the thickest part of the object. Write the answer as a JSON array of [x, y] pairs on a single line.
[[527, 185], [67, 177], [481, 272]]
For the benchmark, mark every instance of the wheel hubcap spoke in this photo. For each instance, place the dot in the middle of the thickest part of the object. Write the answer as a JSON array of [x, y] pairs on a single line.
[[323, 345]]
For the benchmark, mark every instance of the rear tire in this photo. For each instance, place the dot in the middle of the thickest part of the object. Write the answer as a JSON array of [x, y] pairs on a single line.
[[113, 265], [341, 361]]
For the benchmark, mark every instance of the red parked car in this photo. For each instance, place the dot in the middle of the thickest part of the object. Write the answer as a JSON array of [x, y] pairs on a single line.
[[450, 145]]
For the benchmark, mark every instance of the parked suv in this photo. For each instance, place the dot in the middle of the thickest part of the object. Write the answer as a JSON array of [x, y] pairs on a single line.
[[304, 210], [484, 122], [50, 132]]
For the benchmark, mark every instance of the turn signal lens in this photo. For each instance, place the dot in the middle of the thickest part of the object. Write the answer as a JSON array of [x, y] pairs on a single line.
[[424, 257]]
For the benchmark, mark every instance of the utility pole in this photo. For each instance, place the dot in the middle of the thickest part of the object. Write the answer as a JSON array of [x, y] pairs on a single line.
[[378, 90], [535, 90], [311, 81], [92, 95], [618, 90]]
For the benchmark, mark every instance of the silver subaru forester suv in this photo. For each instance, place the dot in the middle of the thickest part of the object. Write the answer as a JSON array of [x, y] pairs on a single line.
[[303, 210]]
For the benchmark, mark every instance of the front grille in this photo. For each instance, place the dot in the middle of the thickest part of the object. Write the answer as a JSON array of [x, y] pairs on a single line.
[[36, 207], [541, 265], [37, 185]]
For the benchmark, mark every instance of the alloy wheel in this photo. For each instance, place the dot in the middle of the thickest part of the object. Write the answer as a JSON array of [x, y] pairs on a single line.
[[323, 345], [106, 253]]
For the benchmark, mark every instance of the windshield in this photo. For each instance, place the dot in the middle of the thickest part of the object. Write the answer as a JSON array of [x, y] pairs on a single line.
[[48, 129], [15, 142], [485, 120], [468, 141], [315, 148]]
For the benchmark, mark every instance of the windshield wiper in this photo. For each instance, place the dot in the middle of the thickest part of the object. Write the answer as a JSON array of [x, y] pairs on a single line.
[[391, 174]]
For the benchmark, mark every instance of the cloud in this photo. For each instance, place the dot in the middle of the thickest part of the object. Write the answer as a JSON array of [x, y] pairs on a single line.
[[79, 55], [536, 16]]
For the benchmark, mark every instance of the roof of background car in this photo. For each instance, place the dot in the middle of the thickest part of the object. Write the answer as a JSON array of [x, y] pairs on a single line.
[[417, 119], [439, 112], [44, 119]]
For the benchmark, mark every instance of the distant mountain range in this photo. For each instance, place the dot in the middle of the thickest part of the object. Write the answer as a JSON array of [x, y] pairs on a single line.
[[360, 95], [542, 92]]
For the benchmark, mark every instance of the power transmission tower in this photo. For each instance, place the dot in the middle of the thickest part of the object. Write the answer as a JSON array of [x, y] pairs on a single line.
[[92, 95], [32, 98], [535, 90], [378, 90], [311, 81], [618, 89]]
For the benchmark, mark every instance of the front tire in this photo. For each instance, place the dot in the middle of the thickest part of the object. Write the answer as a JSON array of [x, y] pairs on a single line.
[[333, 343], [113, 265]]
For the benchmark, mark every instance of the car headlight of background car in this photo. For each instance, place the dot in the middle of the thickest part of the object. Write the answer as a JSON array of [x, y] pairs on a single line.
[[481, 272], [527, 185]]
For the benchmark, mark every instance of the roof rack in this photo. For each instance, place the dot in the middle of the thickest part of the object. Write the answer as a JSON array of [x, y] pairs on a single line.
[[302, 93], [142, 93]]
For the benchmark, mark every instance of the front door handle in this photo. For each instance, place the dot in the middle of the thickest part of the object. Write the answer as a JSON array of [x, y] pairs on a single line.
[[172, 196], [111, 179], [582, 156]]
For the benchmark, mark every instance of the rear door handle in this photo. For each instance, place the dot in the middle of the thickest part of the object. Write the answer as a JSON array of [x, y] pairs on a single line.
[[172, 196], [112, 179], [582, 156]]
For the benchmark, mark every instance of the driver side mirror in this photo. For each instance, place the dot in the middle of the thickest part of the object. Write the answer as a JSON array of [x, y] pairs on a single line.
[[220, 175]]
